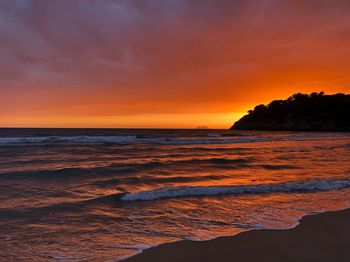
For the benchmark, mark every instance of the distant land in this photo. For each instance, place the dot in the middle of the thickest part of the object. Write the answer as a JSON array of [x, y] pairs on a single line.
[[300, 112]]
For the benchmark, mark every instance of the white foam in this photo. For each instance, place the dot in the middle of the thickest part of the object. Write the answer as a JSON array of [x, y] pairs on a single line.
[[174, 192], [74, 139], [140, 247], [211, 139]]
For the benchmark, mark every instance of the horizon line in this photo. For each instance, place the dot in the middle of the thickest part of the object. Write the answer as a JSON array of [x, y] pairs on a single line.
[[174, 128]]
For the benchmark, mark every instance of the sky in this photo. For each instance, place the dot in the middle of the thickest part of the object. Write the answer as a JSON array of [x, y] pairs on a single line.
[[164, 63]]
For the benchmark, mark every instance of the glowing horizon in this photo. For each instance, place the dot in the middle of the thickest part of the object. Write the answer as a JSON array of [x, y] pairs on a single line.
[[137, 121], [164, 64]]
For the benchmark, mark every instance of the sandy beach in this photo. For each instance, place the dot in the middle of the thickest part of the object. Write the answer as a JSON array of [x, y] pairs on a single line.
[[322, 237]]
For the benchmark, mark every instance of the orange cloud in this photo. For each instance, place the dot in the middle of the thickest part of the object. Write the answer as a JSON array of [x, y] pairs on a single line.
[[171, 63]]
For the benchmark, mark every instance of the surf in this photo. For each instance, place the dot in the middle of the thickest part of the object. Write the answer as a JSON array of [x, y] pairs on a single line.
[[312, 185]]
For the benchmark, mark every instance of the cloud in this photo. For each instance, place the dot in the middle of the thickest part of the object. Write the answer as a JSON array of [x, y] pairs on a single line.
[[132, 57]]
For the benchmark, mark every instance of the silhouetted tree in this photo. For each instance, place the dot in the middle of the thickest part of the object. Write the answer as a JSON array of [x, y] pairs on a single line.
[[314, 112]]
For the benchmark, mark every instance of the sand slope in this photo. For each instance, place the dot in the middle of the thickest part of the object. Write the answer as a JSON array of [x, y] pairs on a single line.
[[323, 237]]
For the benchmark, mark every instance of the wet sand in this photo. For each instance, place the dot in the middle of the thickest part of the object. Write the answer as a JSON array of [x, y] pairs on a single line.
[[322, 237]]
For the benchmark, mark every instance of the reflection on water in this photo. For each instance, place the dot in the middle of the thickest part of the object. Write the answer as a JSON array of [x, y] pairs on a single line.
[[65, 194]]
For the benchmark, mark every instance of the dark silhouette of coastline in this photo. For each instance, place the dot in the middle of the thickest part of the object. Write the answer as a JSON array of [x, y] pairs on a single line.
[[300, 112]]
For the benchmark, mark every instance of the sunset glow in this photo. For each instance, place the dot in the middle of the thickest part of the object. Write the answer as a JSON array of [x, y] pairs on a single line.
[[176, 64]]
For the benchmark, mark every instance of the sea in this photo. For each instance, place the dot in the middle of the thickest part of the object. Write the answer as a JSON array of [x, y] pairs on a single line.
[[108, 194]]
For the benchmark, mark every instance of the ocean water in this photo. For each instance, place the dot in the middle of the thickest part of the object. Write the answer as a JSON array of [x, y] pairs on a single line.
[[104, 195]]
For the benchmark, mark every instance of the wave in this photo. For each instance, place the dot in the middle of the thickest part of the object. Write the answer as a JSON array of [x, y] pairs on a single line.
[[129, 139], [126, 140], [312, 185], [128, 167], [74, 139], [149, 180], [71, 173], [218, 163]]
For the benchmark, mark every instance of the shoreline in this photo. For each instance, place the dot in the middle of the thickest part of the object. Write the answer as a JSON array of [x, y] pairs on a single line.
[[317, 237]]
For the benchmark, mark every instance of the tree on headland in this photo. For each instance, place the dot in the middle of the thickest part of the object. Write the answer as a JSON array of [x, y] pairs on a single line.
[[300, 112]]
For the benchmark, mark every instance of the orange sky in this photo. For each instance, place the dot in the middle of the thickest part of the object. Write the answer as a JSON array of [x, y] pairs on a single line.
[[169, 63]]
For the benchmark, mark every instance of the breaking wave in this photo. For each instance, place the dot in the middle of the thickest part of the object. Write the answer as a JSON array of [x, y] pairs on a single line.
[[73, 139], [154, 140], [313, 185]]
